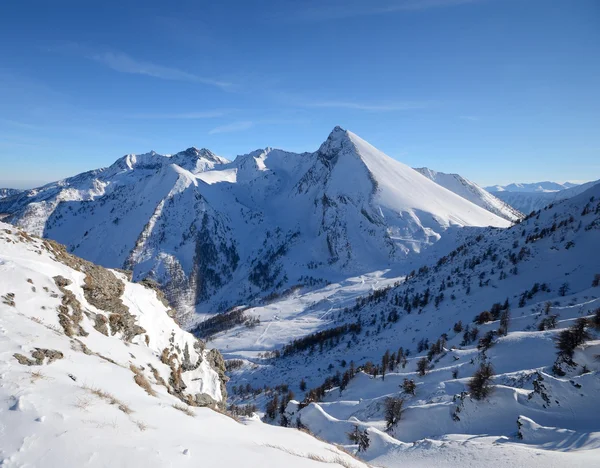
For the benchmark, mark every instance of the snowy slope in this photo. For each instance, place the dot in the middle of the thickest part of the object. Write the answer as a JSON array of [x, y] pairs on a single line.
[[215, 233], [7, 192], [95, 373], [546, 186], [472, 192], [544, 267], [527, 202]]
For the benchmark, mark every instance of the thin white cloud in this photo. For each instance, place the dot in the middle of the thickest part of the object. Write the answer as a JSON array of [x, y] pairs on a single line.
[[182, 115], [123, 63], [232, 127], [345, 9], [247, 124], [370, 107]]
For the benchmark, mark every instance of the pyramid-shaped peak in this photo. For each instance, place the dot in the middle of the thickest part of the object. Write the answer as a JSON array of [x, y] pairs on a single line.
[[338, 133], [337, 142]]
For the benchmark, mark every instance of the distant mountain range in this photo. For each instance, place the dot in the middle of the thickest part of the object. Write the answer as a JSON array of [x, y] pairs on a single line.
[[546, 186], [526, 202], [216, 233]]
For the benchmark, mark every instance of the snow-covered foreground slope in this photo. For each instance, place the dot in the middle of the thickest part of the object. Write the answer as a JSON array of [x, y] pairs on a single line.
[[472, 192], [94, 372], [215, 233], [527, 202], [535, 280]]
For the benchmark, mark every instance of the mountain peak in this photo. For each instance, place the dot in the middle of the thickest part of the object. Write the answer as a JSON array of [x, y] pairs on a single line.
[[198, 153], [337, 142]]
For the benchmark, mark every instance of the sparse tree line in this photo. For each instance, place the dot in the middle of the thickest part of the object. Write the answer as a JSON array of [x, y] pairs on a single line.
[[329, 337], [225, 321], [537, 287]]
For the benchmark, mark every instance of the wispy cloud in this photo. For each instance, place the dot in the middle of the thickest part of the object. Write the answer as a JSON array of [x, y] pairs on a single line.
[[124, 63], [338, 9], [233, 127], [242, 125], [210, 114], [370, 107]]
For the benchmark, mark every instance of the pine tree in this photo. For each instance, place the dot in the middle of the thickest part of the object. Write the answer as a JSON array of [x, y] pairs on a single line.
[[422, 365], [504, 322], [303, 385], [385, 362], [480, 385], [393, 411]]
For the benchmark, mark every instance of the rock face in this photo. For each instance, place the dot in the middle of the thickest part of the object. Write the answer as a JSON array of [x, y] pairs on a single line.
[[215, 233], [94, 304]]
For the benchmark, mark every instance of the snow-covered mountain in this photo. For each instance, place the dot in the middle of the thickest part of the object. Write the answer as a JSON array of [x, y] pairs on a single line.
[[472, 192], [545, 186], [527, 202], [8, 192], [504, 297], [96, 373], [216, 233]]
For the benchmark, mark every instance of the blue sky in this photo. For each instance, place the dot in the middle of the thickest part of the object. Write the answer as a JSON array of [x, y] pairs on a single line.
[[496, 90]]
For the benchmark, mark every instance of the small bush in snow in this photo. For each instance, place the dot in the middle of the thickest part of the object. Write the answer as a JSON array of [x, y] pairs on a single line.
[[409, 386], [360, 438], [484, 317]]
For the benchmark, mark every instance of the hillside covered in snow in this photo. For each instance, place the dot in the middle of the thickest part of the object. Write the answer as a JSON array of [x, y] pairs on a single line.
[[7, 192], [472, 192], [95, 372], [216, 234], [489, 353]]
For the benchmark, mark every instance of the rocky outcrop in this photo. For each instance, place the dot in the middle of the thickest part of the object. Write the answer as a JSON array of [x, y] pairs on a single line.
[[38, 356], [192, 374]]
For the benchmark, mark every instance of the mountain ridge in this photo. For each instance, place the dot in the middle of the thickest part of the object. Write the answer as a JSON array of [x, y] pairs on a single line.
[[216, 233], [472, 192]]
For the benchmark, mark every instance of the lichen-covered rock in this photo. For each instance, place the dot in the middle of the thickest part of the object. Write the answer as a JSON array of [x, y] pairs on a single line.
[[216, 361], [70, 312], [39, 355]]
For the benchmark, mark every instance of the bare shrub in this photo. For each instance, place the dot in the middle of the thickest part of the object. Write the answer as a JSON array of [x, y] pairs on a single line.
[[184, 409]]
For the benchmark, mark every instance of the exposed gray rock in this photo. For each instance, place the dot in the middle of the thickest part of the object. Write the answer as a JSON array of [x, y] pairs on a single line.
[[39, 355]]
